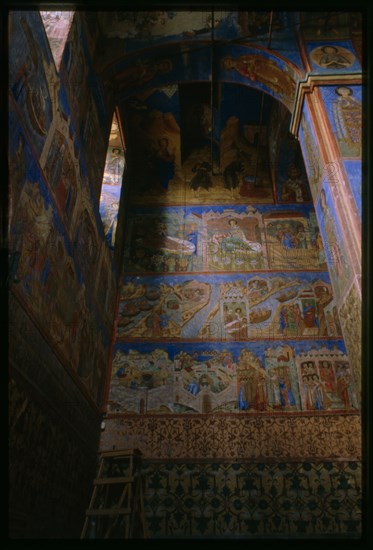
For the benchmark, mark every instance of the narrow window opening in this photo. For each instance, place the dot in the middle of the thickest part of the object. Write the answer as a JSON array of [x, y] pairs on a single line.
[[57, 25], [112, 182]]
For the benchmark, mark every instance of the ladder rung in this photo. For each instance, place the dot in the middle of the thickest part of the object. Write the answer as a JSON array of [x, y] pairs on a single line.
[[123, 453], [112, 480], [107, 512]]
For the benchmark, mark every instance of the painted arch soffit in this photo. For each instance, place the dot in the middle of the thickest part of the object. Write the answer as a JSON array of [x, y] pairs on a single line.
[[255, 67]]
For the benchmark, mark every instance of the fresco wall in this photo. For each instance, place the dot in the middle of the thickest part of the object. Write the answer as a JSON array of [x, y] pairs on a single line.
[[332, 39], [229, 342], [174, 137], [226, 377], [331, 133], [134, 31], [328, 42], [226, 304], [62, 277], [56, 230], [343, 104], [218, 238], [229, 346], [338, 205]]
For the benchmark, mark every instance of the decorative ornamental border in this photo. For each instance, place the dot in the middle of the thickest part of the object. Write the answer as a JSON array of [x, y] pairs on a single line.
[[237, 437]]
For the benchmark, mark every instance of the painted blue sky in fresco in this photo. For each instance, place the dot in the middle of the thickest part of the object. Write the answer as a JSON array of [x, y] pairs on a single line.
[[206, 350]]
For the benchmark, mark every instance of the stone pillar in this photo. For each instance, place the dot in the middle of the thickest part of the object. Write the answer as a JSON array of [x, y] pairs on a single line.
[[327, 120]]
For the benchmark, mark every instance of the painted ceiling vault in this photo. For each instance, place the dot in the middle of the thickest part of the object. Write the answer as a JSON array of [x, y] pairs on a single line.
[[189, 82]]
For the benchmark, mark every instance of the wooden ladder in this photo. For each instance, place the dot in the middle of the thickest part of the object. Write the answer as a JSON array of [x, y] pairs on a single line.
[[116, 508]]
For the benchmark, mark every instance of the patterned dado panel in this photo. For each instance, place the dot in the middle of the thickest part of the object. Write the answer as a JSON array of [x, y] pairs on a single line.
[[237, 437], [214, 500]]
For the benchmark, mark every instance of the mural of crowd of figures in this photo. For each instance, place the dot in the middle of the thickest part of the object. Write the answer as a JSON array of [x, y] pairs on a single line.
[[226, 304], [60, 271], [238, 307], [48, 275], [179, 156], [236, 238], [222, 243], [242, 377]]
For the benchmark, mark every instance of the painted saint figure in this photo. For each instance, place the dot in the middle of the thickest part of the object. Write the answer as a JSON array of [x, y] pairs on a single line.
[[201, 179], [310, 314], [334, 254], [114, 167], [294, 189], [287, 238], [231, 179], [266, 71], [236, 239], [243, 403], [314, 392], [164, 161], [284, 319], [332, 58], [285, 393], [347, 114], [193, 387], [236, 323], [319, 245]]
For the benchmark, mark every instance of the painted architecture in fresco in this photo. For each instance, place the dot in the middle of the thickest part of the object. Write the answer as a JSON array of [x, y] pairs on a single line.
[[223, 244], [185, 244]]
